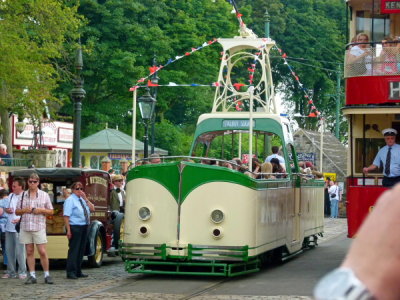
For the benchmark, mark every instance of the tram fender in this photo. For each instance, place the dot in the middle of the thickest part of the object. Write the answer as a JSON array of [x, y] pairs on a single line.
[[95, 227]]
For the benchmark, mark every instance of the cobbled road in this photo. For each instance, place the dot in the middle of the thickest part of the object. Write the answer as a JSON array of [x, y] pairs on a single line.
[[112, 282]]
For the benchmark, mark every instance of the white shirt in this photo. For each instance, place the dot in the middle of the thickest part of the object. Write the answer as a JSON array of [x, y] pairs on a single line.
[[120, 197], [334, 189], [281, 159], [13, 199], [357, 51]]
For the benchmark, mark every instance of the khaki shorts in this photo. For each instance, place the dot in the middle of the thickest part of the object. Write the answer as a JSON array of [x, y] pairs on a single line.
[[33, 237]]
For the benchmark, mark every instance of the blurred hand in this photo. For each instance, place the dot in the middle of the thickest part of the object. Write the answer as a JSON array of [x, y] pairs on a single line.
[[374, 255]]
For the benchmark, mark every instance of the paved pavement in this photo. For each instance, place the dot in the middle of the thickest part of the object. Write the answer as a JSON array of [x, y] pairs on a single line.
[[108, 281]]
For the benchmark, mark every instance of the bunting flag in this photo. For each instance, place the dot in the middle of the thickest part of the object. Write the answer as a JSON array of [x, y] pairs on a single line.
[[173, 84], [314, 113], [238, 86], [238, 106], [154, 69]]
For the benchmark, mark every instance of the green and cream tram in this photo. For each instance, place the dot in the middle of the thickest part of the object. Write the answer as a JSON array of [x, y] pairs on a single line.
[[187, 216]]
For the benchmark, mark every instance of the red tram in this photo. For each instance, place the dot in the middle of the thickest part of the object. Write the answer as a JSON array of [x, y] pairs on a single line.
[[372, 75]]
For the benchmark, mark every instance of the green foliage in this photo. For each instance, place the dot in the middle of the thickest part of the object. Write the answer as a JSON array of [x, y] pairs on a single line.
[[309, 29], [122, 36], [173, 138], [120, 40], [33, 35]]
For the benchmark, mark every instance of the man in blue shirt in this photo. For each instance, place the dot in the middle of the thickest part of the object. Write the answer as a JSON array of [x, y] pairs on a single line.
[[389, 157], [77, 210]]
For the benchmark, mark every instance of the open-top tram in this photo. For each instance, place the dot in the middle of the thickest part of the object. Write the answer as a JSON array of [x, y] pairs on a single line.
[[191, 215], [372, 74]]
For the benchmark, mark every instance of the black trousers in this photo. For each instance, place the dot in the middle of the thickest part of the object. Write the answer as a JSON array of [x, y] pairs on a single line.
[[390, 181], [77, 245]]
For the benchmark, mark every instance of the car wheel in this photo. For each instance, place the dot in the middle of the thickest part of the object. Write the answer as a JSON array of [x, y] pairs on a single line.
[[96, 260]]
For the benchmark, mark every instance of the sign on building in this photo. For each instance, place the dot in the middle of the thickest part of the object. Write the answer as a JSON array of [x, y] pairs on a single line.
[[390, 6]]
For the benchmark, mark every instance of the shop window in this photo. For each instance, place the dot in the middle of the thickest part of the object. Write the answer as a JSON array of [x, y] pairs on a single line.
[[94, 162]]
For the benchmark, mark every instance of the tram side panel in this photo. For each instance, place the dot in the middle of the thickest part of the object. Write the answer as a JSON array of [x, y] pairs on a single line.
[[273, 220], [312, 207]]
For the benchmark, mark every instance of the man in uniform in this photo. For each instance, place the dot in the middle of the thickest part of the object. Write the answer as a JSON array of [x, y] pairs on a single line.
[[389, 157]]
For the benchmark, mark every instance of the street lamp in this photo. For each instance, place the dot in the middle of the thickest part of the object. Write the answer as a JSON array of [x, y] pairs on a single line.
[[146, 106], [77, 95]]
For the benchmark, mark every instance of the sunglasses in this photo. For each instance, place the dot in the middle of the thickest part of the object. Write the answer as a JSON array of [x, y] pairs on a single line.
[[78, 189], [32, 181]]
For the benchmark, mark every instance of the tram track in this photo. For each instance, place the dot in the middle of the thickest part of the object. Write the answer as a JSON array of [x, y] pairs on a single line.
[[204, 290], [125, 282]]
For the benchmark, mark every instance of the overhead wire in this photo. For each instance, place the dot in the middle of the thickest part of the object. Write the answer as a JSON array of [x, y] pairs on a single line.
[[314, 38]]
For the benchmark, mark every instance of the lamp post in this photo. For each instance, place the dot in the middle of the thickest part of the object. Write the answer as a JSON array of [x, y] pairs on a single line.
[[77, 95], [154, 79], [146, 106]]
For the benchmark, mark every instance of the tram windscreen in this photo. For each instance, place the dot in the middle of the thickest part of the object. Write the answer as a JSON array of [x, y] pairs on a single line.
[[235, 143]]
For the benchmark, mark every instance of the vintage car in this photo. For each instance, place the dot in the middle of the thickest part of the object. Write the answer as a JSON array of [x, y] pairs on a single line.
[[104, 224]]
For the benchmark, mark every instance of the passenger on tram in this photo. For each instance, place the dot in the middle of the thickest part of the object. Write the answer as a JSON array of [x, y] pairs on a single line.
[[277, 168], [155, 159], [237, 163], [256, 166], [397, 40], [389, 157], [387, 59], [275, 150], [266, 171], [226, 164], [360, 56]]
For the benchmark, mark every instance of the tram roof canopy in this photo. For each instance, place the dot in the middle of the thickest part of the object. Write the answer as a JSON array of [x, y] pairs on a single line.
[[370, 110], [112, 140]]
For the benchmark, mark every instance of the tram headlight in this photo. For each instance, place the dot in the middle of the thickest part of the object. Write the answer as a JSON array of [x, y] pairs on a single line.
[[217, 233], [217, 216], [144, 213]]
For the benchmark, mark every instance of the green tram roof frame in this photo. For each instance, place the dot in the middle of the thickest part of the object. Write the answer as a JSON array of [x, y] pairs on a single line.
[[262, 122]]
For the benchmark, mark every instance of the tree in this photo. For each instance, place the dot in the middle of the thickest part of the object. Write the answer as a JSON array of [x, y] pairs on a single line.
[[33, 34], [120, 40], [314, 31]]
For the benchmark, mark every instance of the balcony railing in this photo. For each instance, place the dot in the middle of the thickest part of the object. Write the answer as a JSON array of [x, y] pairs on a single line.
[[372, 61], [15, 162]]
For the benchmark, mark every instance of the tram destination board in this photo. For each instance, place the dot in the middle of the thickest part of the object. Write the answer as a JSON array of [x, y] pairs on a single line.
[[237, 123], [390, 6]]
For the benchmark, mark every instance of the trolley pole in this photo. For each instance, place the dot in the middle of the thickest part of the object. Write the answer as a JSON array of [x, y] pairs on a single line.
[[154, 79], [267, 139], [338, 102]]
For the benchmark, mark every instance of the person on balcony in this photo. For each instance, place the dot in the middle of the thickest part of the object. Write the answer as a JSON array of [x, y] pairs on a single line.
[[360, 59], [5, 158], [387, 59], [389, 157]]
